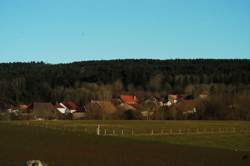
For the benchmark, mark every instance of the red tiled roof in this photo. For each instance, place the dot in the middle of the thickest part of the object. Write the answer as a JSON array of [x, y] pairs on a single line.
[[129, 99]]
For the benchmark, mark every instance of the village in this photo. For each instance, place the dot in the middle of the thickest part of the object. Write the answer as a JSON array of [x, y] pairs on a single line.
[[124, 107]]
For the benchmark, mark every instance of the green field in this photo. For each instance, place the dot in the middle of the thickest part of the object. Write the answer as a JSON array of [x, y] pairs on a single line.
[[75, 143]]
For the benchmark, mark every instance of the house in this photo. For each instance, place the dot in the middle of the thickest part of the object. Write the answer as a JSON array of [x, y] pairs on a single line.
[[13, 110], [62, 108], [172, 99], [187, 107], [42, 110], [122, 105], [129, 99], [81, 113], [71, 106], [189, 112], [72, 110], [24, 108], [150, 106], [164, 102]]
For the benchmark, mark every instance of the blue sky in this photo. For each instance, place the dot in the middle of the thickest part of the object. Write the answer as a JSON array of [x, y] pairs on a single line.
[[58, 31]]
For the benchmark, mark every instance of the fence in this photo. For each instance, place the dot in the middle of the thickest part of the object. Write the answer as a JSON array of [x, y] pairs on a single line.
[[170, 131], [105, 131]]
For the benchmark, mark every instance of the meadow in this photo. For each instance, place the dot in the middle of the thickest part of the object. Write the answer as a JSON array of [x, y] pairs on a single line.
[[76, 143]]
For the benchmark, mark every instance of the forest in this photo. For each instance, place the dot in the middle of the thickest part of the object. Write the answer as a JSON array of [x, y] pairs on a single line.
[[80, 81]]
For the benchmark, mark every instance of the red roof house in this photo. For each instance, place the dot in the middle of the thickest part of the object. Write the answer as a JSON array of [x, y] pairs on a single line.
[[71, 106], [187, 106], [128, 99]]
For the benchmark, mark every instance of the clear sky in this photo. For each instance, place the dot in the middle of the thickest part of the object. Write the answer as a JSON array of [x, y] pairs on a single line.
[[58, 31]]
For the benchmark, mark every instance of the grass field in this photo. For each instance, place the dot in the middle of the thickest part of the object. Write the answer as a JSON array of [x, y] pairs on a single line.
[[233, 141], [19, 142]]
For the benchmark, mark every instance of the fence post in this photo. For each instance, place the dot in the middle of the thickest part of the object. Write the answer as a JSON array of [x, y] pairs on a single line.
[[105, 131], [152, 132], [113, 132], [132, 132], [122, 131], [98, 130]]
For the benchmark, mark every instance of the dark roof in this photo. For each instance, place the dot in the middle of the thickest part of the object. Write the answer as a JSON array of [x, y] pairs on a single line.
[[70, 105], [44, 110]]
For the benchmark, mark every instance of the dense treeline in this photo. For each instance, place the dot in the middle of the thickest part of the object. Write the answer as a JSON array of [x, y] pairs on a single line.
[[80, 81]]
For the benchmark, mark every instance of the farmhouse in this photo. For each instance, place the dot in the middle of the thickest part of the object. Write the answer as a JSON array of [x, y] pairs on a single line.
[[187, 107], [71, 106], [62, 108]]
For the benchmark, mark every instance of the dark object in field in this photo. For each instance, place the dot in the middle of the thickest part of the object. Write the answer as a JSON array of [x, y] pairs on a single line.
[[36, 163], [244, 157]]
